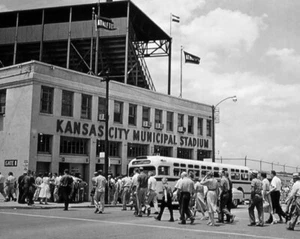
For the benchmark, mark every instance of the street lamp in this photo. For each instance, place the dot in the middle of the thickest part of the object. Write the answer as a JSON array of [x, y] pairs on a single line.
[[234, 99]]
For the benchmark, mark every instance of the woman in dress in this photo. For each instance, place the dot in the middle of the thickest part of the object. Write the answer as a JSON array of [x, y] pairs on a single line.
[[38, 182], [212, 195], [45, 189], [200, 204]]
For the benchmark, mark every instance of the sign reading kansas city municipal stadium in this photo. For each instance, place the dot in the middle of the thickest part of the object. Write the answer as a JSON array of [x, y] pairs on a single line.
[[135, 135]]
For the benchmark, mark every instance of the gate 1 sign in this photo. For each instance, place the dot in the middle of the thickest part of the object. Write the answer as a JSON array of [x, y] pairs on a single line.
[[11, 163]]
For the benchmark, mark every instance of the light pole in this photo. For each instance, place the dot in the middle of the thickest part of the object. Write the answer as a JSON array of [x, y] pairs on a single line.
[[106, 159], [213, 123]]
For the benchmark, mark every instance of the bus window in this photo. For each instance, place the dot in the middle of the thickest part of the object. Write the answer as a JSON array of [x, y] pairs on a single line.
[[242, 171], [163, 170], [203, 167], [225, 169], [190, 166], [245, 177], [216, 174], [197, 173], [235, 176], [216, 169], [176, 164], [197, 166], [190, 171], [182, 165], [232, 170], [148, 169], [203, 173], [176, 172], [208, 167]]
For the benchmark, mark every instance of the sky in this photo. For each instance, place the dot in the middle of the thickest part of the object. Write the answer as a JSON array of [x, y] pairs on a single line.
[[248, 48]]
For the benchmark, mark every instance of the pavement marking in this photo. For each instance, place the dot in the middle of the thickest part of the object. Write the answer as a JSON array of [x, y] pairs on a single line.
[[145, 225]]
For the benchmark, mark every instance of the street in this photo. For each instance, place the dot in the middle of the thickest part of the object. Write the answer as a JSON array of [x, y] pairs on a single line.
[[114, 223]]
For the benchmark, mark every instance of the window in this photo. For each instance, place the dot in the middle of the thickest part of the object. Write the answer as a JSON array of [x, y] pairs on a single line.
[[163, 151], [114, 148], [118, 112], [202, 154], [184, 153], [69, 145], [163, 170], [200, 126], [2, 101], [146, 114], [132, 114], [44, 143], [135, 150], [47, 100], [170, 121], [101, 108], [208, 128], [67, 103], [180, 120], [86, 106], [191, 124], [158, 116]]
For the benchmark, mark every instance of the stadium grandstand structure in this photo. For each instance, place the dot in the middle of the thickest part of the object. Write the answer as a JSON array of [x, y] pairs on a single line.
[[67, 36]]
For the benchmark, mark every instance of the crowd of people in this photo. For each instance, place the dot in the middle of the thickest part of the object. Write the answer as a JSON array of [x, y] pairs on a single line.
[[265, 197], [207, 195], [42, 188], [139, 191]]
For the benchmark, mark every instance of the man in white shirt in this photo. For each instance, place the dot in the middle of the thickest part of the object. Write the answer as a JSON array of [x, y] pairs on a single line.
[[100, 192], [152, 195], [275, 196]]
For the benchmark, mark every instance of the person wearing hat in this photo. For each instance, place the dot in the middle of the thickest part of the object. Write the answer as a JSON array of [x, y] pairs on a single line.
[[294, 198], [256, 201], [211, 196]]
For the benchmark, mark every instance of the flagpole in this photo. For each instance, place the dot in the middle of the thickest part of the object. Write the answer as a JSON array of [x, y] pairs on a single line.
[[181, 72], [92, 42], [97, 42], [170, 24]]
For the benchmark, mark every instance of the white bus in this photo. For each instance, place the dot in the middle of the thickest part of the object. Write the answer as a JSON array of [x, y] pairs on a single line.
[[172, 168]]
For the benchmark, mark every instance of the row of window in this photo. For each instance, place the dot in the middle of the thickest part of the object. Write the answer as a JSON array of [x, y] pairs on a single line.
[[67, 108], [80, 146], [235, 174]]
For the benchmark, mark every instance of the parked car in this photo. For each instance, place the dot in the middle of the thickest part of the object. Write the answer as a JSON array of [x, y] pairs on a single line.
[[237, 197]]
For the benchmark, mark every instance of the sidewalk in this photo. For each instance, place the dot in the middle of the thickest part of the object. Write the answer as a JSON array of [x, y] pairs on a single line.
[[51, 205]]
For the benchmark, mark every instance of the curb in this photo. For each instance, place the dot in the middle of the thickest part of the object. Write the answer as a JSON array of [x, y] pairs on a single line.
[[52, 206]]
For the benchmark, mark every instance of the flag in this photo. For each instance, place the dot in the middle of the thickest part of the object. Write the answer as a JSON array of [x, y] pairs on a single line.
[[189, 58], [175, 18], [105, 23]]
